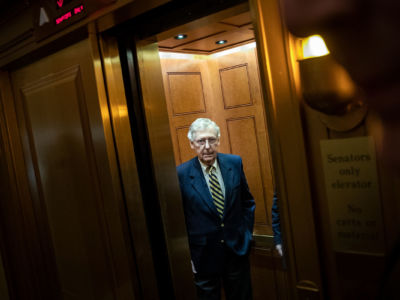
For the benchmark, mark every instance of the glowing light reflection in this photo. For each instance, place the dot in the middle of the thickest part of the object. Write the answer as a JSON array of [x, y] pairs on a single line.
[[175, 55], [314, 46]]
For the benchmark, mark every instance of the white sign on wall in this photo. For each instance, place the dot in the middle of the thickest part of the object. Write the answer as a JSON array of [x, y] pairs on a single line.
[[352, 190]]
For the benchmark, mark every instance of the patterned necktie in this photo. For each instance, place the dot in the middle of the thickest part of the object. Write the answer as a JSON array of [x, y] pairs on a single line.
[[216, 191]]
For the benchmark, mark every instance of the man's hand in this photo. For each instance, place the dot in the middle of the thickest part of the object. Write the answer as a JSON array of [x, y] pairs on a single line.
[[279, 249], [193, 268]]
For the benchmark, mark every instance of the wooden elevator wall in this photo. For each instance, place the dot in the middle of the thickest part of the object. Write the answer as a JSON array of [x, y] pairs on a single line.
[[226, 89]]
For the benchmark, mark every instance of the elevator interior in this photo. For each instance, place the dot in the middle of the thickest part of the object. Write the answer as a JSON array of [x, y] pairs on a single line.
[[205, 79], [210, 69]]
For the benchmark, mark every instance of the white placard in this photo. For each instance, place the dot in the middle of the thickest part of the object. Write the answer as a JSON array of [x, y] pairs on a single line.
[[352, 191]]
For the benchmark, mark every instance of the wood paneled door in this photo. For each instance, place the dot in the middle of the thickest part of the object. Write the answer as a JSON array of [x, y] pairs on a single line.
[[226, 88], [73, 223]]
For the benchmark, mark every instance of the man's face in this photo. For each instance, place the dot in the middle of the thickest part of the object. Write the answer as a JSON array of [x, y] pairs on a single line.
[[206, 145]]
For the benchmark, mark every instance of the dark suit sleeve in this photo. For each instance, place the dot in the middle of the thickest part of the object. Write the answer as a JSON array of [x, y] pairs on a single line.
[[276, 223], [248, 203]]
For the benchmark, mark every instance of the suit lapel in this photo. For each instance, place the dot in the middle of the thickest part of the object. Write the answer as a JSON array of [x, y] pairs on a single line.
[[227, 176], [200, 185]]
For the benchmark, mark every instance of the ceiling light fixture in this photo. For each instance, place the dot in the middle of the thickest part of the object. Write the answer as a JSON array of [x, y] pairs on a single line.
[[180, 36], [221, 42]]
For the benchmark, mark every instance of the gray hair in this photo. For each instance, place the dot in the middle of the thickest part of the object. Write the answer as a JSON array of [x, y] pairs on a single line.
[[201, 124]]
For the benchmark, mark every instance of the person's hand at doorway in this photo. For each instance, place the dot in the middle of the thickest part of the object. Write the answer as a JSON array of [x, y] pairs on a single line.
[[276, 225]]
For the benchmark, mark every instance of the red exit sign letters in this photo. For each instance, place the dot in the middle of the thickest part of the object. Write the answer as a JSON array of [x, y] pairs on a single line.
[[53, 16], [75, 11]]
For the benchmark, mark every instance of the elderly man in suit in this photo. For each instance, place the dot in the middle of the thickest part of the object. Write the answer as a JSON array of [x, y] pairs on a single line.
[[219, 213]]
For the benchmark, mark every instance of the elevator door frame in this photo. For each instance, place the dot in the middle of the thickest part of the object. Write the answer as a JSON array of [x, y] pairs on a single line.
[[285, 128], [283, 110]]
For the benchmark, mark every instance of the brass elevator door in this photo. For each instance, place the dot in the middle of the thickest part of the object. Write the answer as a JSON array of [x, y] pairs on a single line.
[[74, 224]]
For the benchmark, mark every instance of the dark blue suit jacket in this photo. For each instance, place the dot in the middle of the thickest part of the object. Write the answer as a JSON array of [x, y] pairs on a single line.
[[276, 221], [207, 232]]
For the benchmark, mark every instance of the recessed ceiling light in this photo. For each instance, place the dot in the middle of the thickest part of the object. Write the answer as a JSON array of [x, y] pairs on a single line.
[[180, 36], [221, 42]]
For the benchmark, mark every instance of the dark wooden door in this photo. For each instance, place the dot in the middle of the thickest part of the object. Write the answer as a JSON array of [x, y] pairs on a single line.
[[73, 220]]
